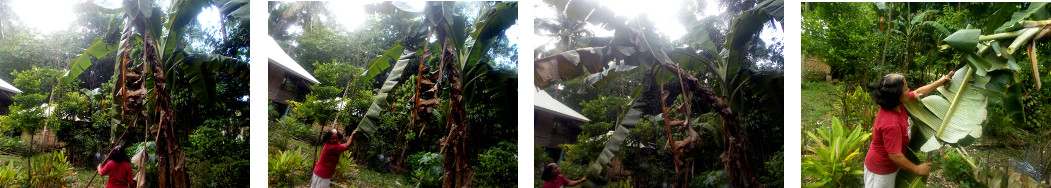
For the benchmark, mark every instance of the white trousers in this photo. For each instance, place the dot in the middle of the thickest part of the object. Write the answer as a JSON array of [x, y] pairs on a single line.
[[873, 180], [318, 182]]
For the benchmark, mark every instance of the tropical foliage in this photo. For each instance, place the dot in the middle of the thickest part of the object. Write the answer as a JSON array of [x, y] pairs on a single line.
[[671, 80], [990, 93], [88, 90], [461, 86]]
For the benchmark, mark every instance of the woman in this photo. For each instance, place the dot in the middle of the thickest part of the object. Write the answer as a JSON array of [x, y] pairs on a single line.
[[553, 178], [117, 168], [890, 133], [329, 159]]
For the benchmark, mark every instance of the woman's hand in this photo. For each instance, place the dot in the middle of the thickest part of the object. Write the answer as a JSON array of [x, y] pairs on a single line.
[[943, 81], [947, 78], [923, 169]]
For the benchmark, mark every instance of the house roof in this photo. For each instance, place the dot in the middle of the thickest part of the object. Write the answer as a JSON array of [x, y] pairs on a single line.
[[543, 101], [277, 56], [8, 87]]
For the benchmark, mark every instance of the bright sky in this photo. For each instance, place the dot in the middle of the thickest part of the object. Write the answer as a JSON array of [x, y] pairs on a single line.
[[657, 11], [58, 14], [351, 14]]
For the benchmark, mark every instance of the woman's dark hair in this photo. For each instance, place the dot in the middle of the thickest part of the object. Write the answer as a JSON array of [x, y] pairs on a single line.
[[546, 175], [118, 155], [328, 136], [888, 91]]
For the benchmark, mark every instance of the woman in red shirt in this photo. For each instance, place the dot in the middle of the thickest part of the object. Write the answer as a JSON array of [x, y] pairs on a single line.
[[553, 178], [117, 168], [329, 158], [890, 132]]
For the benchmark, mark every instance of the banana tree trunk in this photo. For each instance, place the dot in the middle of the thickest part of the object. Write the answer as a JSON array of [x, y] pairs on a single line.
[[454, 145], [735, 158], [170, 160]]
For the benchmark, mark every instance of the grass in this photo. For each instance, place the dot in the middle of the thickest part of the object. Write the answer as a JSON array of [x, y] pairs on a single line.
[[819, 102]]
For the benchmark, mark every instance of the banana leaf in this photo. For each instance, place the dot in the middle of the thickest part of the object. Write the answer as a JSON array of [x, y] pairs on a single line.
[[97, 50], [958, 112], [629, 119], [200, 69], [381, 103]]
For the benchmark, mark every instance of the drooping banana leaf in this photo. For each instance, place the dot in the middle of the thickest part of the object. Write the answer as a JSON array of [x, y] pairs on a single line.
[[97, 50], [569, 64], [628, 119], [958, 112], [381, 63], [370, 122]]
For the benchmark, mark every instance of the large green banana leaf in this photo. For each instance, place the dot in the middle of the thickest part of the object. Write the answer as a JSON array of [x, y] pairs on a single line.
[[97, 50], [370, 123], [958, 112]]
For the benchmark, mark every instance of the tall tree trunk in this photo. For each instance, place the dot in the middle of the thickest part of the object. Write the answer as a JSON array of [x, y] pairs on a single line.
[[886, 37], [454, 146], [170, 160], [29, 170]]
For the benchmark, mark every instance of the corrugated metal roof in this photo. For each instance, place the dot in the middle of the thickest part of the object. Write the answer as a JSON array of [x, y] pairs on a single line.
[[8, 87], [278, 57], [543, 101]]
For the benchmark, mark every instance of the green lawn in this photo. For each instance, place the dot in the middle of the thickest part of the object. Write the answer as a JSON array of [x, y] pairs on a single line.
[[819, 101]]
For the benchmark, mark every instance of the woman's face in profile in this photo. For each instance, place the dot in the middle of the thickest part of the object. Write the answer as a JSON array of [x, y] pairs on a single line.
[[904, 92]]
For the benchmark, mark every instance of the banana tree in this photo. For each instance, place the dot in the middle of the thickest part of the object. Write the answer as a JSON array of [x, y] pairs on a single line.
[[635, 46], [150, 59], [462, 70], [956, 114], [960, 109], [911, 27]]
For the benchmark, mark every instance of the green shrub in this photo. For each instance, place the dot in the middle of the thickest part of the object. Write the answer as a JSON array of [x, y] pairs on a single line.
[[345, 170], [595, 128], [426, 169], [13, 145], [956, 168], [834, 154], [285, 167], [812, 76], [217, 160], [10, 175], [715, 178], [539, 160], [858, 107], [51, 170], [497, 166], [776, 170]]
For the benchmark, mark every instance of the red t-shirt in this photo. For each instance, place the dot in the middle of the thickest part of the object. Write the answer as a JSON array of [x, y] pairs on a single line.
[[326, 164], [119, 174], [558, 182], [890, 134]]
